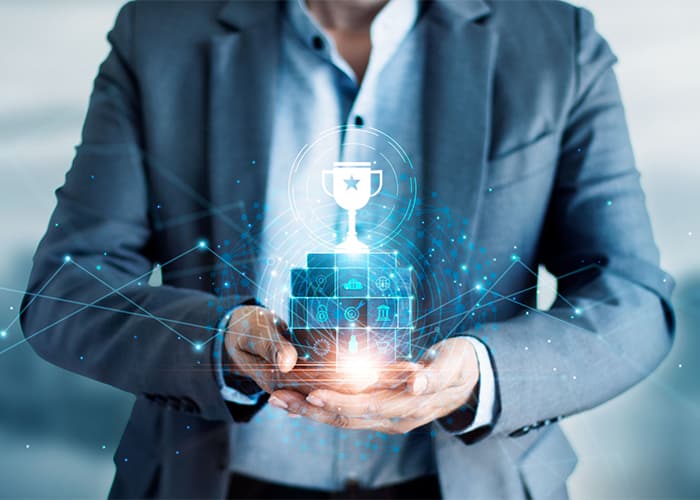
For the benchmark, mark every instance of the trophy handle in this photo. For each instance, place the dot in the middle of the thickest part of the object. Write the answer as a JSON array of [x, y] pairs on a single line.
[[324, 173], [380, 173]]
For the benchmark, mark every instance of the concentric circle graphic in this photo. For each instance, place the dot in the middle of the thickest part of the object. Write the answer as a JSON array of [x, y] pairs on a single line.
[[315, 205]]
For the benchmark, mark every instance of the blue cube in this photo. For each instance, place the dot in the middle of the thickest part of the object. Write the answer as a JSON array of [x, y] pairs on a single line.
[[297, 313], [299, 282], [403, 344], [352, 313], [314, 346], [404, 312], [384, 343], [352, 282], [321, 313], [320, 260], [385, 259], [352, 260], [350, 341], [321, 282], [347, 303], [381, 313], [390, 282]]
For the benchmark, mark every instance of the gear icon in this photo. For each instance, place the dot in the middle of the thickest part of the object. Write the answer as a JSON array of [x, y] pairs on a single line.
[[322, 347]]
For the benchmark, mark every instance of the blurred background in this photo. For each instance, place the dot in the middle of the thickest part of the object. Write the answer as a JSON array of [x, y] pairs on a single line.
[[58, 431]]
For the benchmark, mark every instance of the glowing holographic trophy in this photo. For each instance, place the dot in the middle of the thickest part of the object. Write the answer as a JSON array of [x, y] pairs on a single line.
[[352, 190]]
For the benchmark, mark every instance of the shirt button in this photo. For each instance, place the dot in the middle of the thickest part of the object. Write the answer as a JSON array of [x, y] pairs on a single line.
[[352, 486], [359, 121], [317, 42]]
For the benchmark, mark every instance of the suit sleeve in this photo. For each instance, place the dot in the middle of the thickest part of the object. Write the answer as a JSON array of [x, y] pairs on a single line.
[[616, 323], [150, 341]]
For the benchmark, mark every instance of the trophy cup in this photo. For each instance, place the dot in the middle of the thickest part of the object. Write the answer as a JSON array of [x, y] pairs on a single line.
[[352, 190]]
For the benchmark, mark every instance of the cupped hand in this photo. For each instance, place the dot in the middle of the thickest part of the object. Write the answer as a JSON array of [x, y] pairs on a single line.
[[258, 347], [441, 382]]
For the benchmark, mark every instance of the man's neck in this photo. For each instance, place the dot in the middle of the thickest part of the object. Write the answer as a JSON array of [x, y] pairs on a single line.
[[348, 22], [345, 15]]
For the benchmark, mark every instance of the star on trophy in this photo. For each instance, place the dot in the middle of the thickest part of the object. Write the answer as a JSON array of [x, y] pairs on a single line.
[[352, 190]]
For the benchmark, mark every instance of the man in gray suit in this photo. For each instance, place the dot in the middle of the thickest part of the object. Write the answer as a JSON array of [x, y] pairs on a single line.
[[511, 114]]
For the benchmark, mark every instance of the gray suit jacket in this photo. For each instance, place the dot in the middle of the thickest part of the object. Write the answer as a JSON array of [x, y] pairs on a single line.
[[524, 139]]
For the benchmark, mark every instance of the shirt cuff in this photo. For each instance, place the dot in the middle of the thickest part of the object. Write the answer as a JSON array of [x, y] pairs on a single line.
[[486, 397], [229, 393]]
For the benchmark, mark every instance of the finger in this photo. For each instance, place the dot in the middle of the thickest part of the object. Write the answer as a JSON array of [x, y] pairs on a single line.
[[264, 338], [296, 404], [286, 355], [384, 403], [396, 374], [447, 364], [404, 408]]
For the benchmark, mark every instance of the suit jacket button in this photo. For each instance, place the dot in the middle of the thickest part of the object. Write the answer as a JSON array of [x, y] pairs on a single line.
[[351, 486]]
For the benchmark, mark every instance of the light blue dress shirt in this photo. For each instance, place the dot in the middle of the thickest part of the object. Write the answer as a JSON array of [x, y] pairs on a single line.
[[317, 90]]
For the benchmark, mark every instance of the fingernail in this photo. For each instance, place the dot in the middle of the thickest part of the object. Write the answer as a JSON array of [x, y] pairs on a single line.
[[420, 384], [293, 415], [277, 403], [315, 401]]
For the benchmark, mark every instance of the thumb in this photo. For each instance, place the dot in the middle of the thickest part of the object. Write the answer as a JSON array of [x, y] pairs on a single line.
[[431, 374], [285, 356]]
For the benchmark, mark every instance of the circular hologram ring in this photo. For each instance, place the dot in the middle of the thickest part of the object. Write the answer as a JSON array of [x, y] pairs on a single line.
[[317, 210]]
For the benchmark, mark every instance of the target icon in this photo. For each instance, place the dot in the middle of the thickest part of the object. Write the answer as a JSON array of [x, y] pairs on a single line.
[[352, 313]]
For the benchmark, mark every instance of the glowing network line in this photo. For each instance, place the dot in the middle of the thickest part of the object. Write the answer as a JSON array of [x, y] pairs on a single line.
[[198, 345], [70, 315], [478, 305]]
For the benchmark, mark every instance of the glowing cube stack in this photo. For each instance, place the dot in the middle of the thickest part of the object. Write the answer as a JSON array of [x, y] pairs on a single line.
[[346, 304]]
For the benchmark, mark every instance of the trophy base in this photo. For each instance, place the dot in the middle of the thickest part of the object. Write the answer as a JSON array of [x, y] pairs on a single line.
[[352, 245]]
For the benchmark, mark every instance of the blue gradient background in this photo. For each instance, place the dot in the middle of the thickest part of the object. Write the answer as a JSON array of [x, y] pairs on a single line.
[[58, 431]]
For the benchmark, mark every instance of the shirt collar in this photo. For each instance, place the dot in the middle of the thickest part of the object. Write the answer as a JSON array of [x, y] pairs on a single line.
[[388, 29]]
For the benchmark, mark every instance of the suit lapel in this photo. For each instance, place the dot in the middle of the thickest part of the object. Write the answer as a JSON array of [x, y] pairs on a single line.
[[457, 114], [241, 99]]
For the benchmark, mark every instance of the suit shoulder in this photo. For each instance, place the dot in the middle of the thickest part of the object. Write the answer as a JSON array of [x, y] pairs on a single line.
[[548, 23], [167, 20]]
